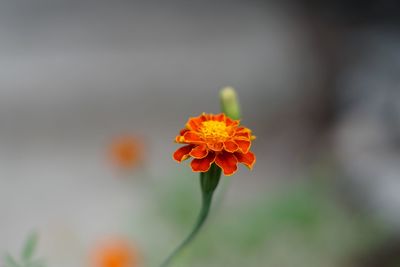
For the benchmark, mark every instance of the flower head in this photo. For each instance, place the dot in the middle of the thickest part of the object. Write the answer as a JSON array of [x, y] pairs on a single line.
[[217, 139]]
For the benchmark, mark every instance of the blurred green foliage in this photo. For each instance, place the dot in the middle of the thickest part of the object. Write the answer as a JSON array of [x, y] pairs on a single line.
[[300, 224], [27, 254]]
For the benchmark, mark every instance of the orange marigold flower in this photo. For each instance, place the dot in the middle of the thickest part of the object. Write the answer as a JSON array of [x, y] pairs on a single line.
[[114, 253], [213, 138]]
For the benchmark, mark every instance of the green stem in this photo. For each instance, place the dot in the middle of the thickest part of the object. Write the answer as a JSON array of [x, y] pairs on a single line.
[[208, 182], [200, 221]]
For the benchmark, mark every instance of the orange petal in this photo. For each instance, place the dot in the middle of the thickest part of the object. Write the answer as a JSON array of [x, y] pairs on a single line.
[[215, 146], [206, 116], [179, 139], [182, 153], [204, 164], [194, 123], [230, 146], [244, 145], [192, 137], [242, 129], [247, 159], [219, 117], [183, 131], [230, 122], [199, 152], [227, 162], [243, 133]]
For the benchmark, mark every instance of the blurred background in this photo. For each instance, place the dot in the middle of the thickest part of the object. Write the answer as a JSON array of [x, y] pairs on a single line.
[[92, 94]]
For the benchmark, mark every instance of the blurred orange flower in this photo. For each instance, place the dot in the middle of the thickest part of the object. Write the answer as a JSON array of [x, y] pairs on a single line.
[[211, 138], [114, 253], [126, 152]]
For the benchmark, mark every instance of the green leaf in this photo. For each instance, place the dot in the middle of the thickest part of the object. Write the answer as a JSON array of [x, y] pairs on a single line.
[[29, 247], [10, 262]]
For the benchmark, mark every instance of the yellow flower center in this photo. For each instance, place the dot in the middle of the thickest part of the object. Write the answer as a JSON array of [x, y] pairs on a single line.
[[215, 130]]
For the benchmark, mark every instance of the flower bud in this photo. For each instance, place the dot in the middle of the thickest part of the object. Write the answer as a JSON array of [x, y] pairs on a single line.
[[230, 103]]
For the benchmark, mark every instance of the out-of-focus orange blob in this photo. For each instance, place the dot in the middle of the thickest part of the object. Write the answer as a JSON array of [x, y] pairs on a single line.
[[114, 253], [126, 152]]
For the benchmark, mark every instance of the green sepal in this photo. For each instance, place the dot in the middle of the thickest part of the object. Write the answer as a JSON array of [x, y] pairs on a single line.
[[209, 180]]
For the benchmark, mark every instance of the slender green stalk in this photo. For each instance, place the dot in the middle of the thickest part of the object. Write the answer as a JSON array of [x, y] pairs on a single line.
[[200, 221], [208, 182]]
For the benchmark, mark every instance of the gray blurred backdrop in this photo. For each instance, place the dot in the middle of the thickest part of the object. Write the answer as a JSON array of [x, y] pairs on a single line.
[[75, 74]]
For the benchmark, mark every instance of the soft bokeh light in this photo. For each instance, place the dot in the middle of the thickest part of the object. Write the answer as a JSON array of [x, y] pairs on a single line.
[[114, 253], [127, 152]]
